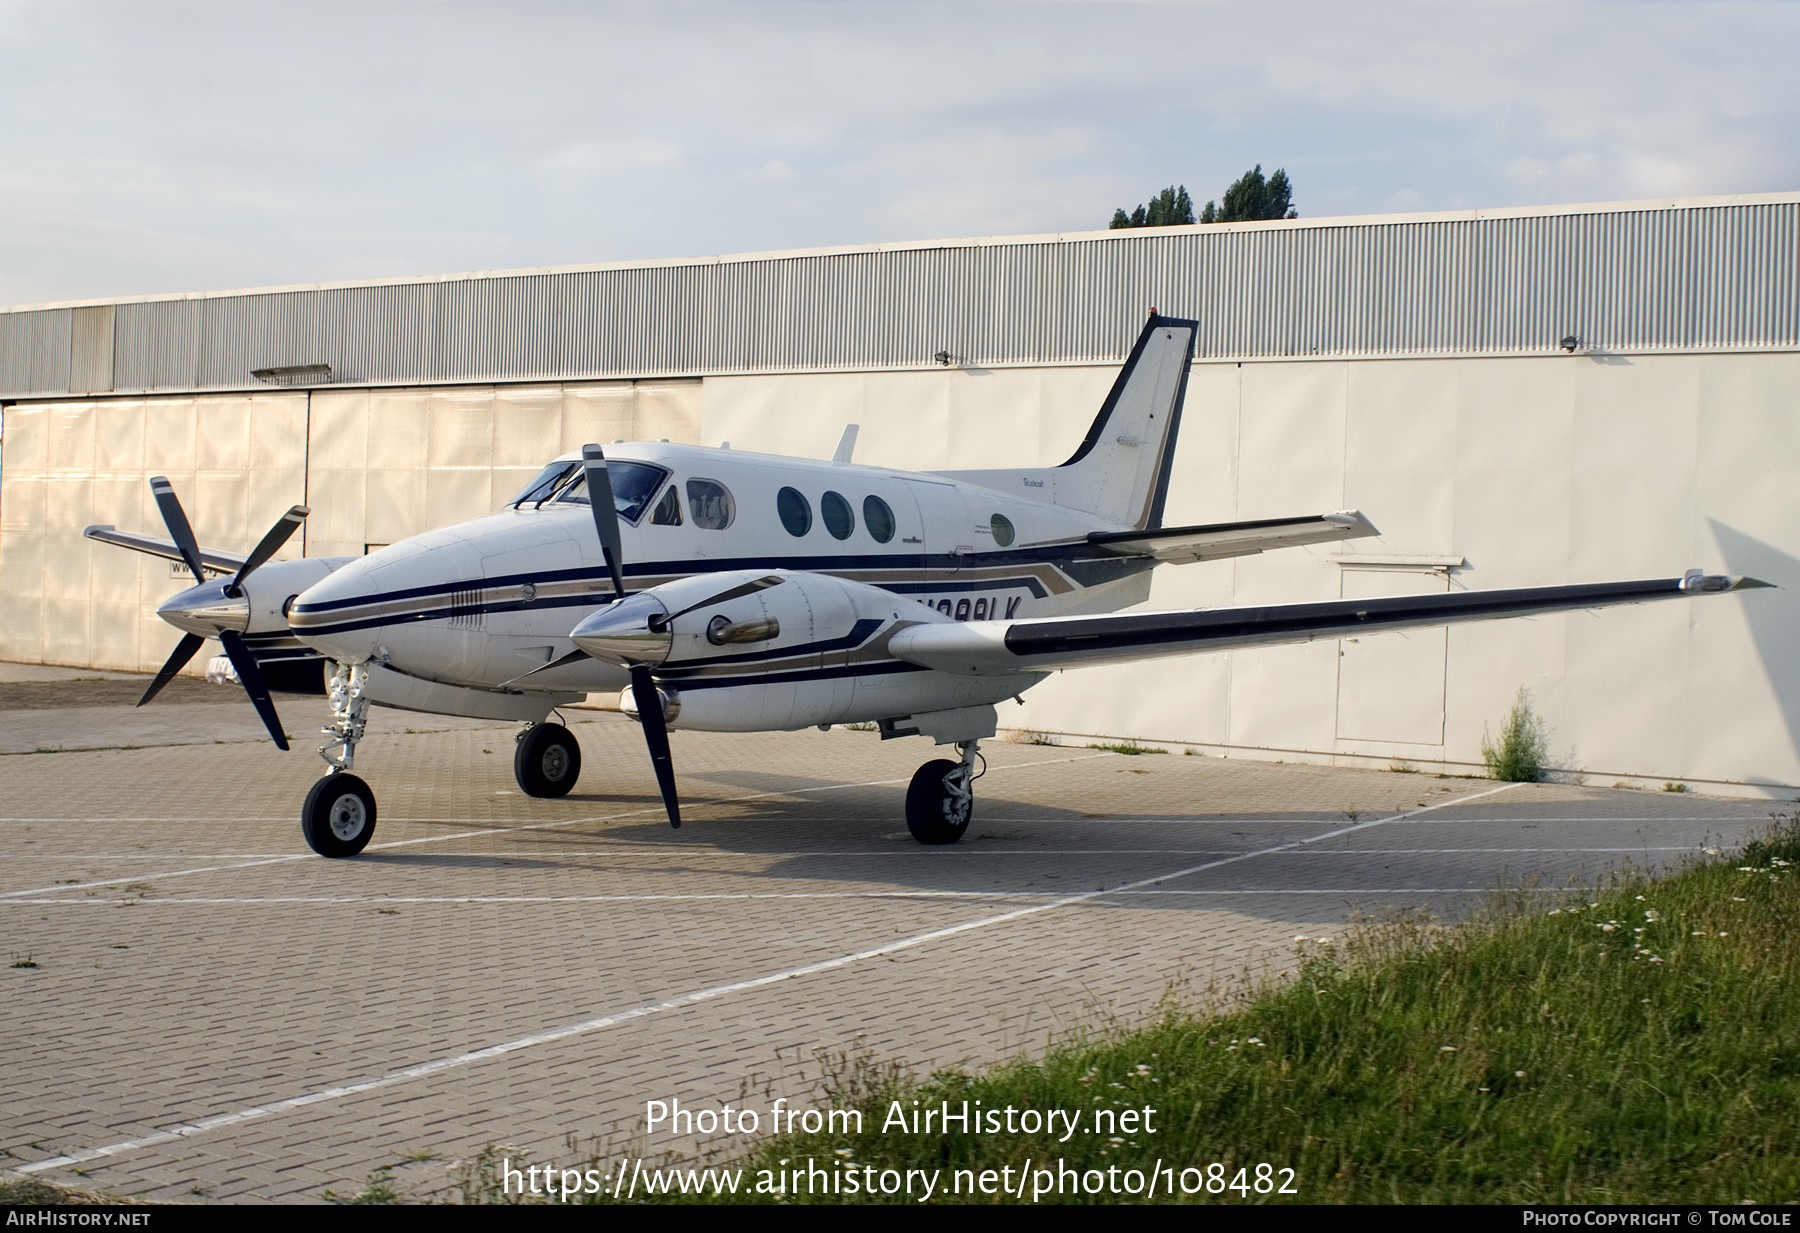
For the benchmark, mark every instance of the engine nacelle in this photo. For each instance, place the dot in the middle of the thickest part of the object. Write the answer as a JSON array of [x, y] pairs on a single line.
[[824, 660]]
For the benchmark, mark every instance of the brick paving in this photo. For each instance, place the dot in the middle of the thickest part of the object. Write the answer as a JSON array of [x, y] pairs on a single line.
[[196, 962]]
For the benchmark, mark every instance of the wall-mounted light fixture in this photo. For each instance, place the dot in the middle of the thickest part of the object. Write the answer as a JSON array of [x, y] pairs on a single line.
[[944, 358], [294, 374], [1569, 343]]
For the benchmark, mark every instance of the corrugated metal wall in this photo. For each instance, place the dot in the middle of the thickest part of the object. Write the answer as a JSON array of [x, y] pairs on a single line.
[[1637, 279]]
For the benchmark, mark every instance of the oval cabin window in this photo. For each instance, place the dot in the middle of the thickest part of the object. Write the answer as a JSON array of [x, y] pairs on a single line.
[[796, 513], [710, 504], [1002, 528], [835, 512], [879, 519]]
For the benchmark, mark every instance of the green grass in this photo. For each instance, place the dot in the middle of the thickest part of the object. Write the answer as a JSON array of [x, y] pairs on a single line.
[[1129, 748], [1635, 1045]]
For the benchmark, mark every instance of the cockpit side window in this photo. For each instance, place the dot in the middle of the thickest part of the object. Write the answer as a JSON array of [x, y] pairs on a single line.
[[633, 484], [710, 503], [544, 485], [668, 510]]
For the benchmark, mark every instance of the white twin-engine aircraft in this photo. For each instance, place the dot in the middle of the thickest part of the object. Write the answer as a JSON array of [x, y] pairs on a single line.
[[735, 592]]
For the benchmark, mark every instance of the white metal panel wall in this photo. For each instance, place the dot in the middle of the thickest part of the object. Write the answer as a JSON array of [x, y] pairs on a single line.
[[388, 464], [1624, 280], [237, 462], [1537, 471]]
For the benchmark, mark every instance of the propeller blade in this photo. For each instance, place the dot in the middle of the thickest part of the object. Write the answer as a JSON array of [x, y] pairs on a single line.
[[606, 514], [177, 522], [184, 651], [656, 736], [278, 535], [252, 678], [749, 588], [571, 657]]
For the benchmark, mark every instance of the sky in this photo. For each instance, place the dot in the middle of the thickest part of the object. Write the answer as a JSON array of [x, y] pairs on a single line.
[[151, 148]]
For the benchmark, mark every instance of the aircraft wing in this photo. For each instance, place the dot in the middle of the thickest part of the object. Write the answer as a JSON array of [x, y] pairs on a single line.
[[211, 558], [1184, 545], [987, 648]]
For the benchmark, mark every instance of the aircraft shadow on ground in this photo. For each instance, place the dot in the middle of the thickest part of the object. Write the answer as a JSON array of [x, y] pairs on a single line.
[[857, 836]]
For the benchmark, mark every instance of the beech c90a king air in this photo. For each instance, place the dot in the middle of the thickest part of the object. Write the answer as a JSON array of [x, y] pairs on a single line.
[[727, 591]]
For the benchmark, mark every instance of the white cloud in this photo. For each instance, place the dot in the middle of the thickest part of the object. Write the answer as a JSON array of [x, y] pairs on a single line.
[[174, 146]]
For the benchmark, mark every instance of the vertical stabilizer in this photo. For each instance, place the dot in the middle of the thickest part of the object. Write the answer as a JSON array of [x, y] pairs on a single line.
[[1121, 470]]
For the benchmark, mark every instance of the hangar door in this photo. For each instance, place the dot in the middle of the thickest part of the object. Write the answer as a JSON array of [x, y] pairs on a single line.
[[1391, 686]]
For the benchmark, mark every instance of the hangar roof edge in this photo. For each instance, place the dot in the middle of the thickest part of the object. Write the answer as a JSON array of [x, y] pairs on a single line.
[[1061, 237]]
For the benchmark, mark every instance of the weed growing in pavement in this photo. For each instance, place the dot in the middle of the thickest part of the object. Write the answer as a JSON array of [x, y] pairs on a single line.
[[1129, 748], [1519, 755]]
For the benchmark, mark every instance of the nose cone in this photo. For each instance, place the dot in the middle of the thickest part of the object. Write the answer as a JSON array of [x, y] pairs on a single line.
[[628, 632], [206, 609], [340, 615]]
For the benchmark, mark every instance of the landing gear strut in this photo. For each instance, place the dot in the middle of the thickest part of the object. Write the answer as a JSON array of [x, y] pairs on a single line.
[[546, 760], [941, 799], [338, 817]]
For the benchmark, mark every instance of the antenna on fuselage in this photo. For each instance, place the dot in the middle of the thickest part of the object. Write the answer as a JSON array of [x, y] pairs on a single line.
[[846, 447]]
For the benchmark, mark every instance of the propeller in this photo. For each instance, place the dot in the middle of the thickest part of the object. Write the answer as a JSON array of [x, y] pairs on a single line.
[[643, 682], [656, 736], [606, 514], [643, 686], [249, 673]]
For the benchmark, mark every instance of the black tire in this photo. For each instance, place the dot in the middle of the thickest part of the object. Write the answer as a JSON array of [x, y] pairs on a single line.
[[933, 815], [547, 761], [339, 816]]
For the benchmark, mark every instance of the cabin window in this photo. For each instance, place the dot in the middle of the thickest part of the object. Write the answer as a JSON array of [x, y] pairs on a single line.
[[710, 504], [878, 519], [668, 510], [1002, 528], [795, 511], [835, 512], [633, 484]]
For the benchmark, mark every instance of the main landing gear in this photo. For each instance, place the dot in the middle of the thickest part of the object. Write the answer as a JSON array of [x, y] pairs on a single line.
[[338, 817], [546, 760], [941, 798]]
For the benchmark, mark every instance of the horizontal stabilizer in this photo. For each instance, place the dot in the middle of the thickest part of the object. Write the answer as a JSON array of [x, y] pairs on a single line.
[[215, 561], [1184, 545], [984, 648]]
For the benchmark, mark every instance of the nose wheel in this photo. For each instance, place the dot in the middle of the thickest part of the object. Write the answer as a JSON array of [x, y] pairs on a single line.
[[338, 817], [546, 760], [941, 799]]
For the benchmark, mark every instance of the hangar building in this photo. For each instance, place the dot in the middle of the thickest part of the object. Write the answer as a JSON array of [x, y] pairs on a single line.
[[1514, 397]]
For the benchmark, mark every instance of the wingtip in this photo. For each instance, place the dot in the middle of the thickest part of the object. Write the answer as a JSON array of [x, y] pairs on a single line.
[[1715, 584], [1362, 528]]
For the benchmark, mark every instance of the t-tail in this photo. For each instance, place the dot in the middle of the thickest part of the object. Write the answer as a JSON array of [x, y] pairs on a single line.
[[1120, 472]]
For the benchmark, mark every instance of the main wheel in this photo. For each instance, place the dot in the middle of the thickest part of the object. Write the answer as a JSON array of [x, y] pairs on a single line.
[[339, 816], [935, 814], [547, 761]]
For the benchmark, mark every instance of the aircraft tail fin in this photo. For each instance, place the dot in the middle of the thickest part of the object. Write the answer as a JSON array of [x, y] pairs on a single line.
[[1121, 469]]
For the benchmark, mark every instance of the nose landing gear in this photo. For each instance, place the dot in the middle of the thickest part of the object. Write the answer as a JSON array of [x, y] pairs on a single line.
[[338, 818], [941, 799]]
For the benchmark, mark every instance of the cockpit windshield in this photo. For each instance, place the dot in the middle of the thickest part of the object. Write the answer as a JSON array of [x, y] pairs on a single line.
[[545, 484], [633, 484]]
